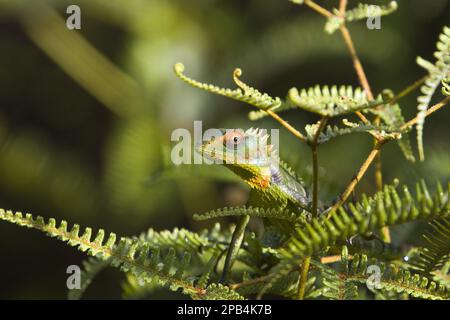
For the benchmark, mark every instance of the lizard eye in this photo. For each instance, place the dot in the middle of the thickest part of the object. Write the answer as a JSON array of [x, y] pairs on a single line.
[[234, 138]]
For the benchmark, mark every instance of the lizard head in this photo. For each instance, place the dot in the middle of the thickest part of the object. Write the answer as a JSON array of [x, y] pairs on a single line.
[[245, 153]]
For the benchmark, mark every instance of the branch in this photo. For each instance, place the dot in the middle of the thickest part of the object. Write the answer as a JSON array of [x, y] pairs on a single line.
[[285, 124], [321, 10], [362, 170], [434, 108]]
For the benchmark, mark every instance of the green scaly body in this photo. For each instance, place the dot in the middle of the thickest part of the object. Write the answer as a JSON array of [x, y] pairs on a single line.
[[273, 184]]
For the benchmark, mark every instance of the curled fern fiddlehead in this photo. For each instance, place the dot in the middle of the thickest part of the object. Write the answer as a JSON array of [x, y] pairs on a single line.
[[244, 93]]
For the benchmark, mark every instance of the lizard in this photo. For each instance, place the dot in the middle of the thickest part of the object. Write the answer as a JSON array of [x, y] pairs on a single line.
[[272, 184]]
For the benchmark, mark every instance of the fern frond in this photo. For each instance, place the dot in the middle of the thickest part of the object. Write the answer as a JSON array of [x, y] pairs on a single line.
[[182, 240], [391, 115], [361, 12], [446, 87], [342, 284], [334, 282], [243, 93], [209, 268], [285, 286], [271, 213], [333, 131], [92, 267], [129, 255], [437, 72], [332, 102], [385, 208], [217, 291], [436, 253], [132, 289], [285, 105]]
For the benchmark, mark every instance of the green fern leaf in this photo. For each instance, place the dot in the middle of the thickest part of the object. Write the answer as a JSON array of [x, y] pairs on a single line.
[[342, 284], [361, 12], [92, 267], [283, 106], [385, 208], [391, 115], [333, 131], [446, 87], [332, 102], [436, 253], [220, 292], [131, 256], [244, 93], [271, 213], [437, 72]]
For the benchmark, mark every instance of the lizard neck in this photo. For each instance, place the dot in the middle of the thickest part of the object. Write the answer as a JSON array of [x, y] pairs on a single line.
[[289, 185], [273, 182]]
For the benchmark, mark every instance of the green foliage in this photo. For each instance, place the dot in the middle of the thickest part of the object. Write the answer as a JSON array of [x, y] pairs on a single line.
[[437, 71], [362, 12], [284, 238], [92, 267], [446, 87], [333, 131], [332, 102], [386, 208], [149, 264], [342, 284], [435, 254], [244, 93], [273, 213], [391, 115]]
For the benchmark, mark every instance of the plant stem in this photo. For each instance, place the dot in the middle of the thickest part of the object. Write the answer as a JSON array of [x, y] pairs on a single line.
[[434, 108], [250, 282], [332, 259], [342, 6], [356, 62], [315, 161], [318, 8], [409, 89], [285, 124], [365, 84], [303, 278], [362, 170], [306, 262]]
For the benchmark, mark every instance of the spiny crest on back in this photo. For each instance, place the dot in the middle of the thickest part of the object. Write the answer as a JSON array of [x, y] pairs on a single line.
[[262, 137]]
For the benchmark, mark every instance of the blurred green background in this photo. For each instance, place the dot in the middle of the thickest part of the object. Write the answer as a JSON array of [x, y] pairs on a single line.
[[86, 116]]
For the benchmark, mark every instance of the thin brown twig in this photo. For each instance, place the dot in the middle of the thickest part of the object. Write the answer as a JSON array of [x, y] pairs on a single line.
[[356, 62], [434, 108], [342, 7], [314, 143], [409, 89], [332, 259], [285, 124], [304, 268], [318, 8], [252, 281], [362, 170], [365, 84]]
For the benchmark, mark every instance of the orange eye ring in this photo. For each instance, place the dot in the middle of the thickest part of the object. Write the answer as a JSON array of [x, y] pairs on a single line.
[[233, 138]]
